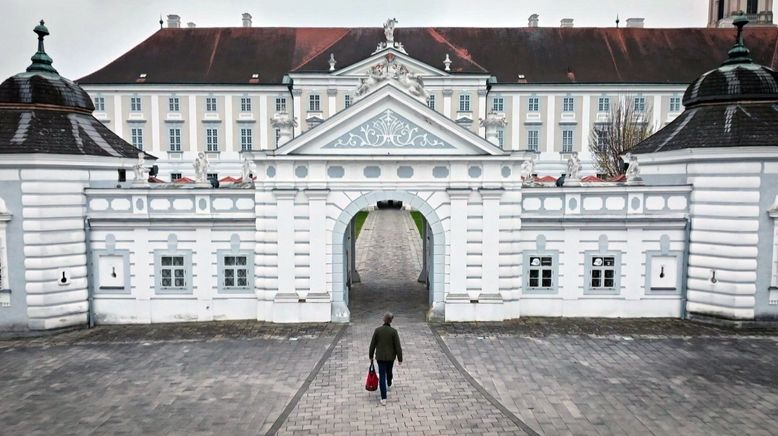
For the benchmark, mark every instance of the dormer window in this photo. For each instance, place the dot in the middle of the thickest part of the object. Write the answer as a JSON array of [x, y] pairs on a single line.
[[464, 103], [498, 104], [314, 103], [173, 104], [210, 104]]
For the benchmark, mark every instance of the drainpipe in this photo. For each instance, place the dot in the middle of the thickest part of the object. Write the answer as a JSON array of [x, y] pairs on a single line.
[[90, 314]]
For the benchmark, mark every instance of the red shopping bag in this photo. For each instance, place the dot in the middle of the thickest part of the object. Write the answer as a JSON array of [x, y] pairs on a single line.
[[371, 383]]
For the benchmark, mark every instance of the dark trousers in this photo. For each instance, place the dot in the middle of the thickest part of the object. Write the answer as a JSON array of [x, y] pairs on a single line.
[[384, 375]]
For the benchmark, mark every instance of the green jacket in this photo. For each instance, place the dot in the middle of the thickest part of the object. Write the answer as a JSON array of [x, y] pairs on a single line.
[[386, 344]]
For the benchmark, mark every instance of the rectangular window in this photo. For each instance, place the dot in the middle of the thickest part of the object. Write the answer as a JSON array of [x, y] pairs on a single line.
[[602, 273], [752, 6], [464, 103], [675, 104], [173, 104], [174, 176], [568, 104], [175, 139], [498, 104], [245, 139], [278, 136], [314, 103], [567, 141], [280, 104], [100, 104], [135, 105], [346, 101], [245, 104], [540, 273], [533, 104], [604, 104], [173, 273], [211, 139], [640, 104], [501, 137], [136, 135], [431, 102], [210, 104], [235, 272], [602, 138], [212, 176], [533, 137]]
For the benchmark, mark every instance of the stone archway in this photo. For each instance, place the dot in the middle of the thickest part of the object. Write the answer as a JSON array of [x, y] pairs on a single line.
[[340, 311]]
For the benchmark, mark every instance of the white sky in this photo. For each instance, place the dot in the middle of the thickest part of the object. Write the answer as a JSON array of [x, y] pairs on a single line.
[[88, 34]]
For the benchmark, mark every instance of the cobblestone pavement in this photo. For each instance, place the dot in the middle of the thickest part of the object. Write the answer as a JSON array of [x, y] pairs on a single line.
[[429, 395]]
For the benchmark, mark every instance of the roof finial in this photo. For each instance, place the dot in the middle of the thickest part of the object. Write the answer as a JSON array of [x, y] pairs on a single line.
[[40, 60], [617, 21], [739, 53], [160, 22]]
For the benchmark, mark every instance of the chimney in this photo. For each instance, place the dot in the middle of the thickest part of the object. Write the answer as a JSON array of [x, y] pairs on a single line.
[[566, 22], [533, 20], [191, 25], [635, 22], [246, 19], [173, 21]]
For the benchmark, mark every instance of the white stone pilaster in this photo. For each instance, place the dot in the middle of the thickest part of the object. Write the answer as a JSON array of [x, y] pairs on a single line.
[[332, 102], [118, 115], [317, 219], [155, 143], [193, 124], [515, 122], [265, 140], [551, 123], [285, 224], [229, 124], [585, 120], [297, 95], [447, 93], [657, 120], [481, 110], [490, 277], [458, 240]]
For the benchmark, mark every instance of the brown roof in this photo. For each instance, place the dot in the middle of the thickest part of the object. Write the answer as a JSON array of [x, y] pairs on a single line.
[[543, 55]]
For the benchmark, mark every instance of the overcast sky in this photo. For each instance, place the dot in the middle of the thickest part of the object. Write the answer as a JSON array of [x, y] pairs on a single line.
[[88, 34]]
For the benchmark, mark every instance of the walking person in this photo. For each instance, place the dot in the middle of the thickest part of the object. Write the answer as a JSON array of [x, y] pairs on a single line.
[[385, 345]]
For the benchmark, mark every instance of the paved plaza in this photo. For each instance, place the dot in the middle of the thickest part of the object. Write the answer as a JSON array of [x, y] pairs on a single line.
[[526, 376]]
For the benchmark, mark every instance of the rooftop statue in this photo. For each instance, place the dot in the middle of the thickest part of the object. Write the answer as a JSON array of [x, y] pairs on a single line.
[[389, 31], [201, 168], [140, 169]]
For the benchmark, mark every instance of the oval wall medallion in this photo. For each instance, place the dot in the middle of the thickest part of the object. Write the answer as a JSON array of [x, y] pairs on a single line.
[[506, 171], [372, 172], [405, 172], [474, 172], [336, 172], [440, 172], [301, 171], [271, 171]]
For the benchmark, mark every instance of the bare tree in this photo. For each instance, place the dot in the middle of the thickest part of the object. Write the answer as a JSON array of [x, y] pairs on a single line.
[[629, 122]]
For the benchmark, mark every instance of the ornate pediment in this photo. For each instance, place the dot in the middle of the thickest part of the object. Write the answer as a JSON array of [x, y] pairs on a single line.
[[390, 69], [389, 130]]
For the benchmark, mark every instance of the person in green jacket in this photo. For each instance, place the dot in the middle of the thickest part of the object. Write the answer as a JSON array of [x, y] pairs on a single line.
[[385, 345]]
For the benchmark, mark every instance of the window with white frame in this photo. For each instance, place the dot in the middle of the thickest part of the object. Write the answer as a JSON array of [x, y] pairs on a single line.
[[136, 137], [210, 104], [174, 136], [173, 104], [498, 104], [640, 104], [278, 136], [501, 137], [235, 272], [174, 272], [100, 104], [280, 104], [464, 103], [347, 101], [568, 104], [431, 101], [245, 139], [135, 104], [245, 104], [212, 139], [603, 104], [314, 103], [602, 272], [601, 130], [533, 139], [174, 176], [541, 272], [675, 104], [533, 104], [567, 140]]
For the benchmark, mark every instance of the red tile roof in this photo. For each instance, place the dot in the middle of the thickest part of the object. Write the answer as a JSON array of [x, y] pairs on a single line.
[[542, 55]]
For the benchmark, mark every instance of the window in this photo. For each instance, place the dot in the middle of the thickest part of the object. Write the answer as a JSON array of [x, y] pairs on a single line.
[[100, 104], [211, 139], [278, 136], [567, 141], [135, 105], [235, 274], [675, 104], [541, 272], [752, 6], [533, 104], [314, 103], [498, 104], [640, 104], [136, 136], [464, 103], [210, 104], [245, 104], [173, 104], [174, 176], [431, 102], [568, 104], [173, 271], [346, 101], [602, 137], [245, 139], [602, 272], [280, 104], [604, 104], [212, 176], [533, 137], [175, 139]]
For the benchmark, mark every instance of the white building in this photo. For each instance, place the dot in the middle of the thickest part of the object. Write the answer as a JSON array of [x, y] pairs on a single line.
[[79, 241]]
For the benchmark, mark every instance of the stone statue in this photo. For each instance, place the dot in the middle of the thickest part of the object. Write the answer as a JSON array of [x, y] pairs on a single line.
[[140, 169], [528, 169], [247, 171], [491, 124], [285, 124], [389, 30], [201, 168], [633, 170], [573, 167]]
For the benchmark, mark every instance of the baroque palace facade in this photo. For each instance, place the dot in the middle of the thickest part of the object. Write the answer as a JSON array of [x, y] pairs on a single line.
[[303, 128]]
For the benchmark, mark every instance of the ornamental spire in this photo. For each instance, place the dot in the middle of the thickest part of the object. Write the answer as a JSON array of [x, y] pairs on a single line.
[[40, 60], [739, 53]]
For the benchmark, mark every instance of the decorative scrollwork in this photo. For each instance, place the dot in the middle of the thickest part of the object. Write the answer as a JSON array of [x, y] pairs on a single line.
[[389, 130]]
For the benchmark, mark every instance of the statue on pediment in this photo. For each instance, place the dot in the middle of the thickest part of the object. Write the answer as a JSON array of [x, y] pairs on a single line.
[[247, 171], [573, 167], [527, 170], [633, 170], [389, 26], [201, 168], [140, 169]]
